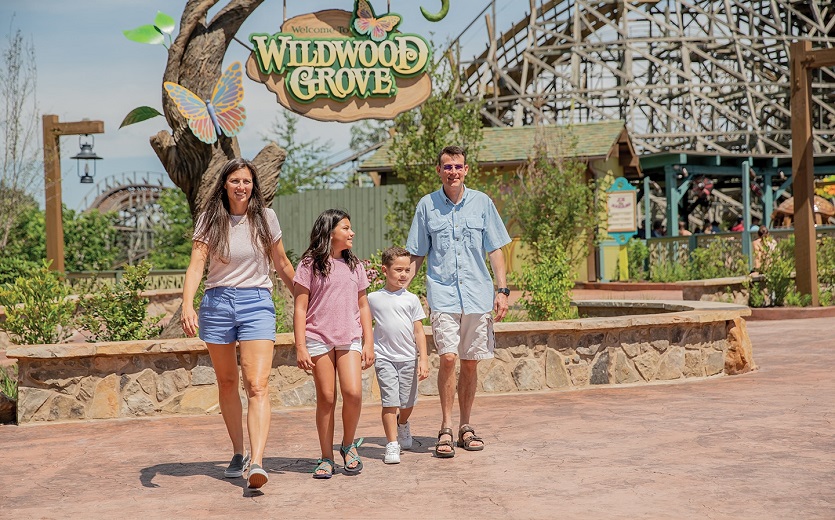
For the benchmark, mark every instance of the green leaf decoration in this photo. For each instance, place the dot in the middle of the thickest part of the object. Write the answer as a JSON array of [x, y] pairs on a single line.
[[164, 22], [139, 114], [145, 34]]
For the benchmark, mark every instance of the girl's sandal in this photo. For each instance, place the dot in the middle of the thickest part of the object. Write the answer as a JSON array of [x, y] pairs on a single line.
[[350, 458], [465, 442], [323, 465], [445, 454]]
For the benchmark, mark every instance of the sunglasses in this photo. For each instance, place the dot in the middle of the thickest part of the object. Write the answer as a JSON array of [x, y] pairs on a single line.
[[450, 167]]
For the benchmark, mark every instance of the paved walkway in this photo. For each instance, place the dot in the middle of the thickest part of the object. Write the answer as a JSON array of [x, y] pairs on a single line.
[[755, 446]]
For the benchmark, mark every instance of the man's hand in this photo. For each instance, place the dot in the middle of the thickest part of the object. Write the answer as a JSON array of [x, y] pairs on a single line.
[[423, 368], [500, 306]]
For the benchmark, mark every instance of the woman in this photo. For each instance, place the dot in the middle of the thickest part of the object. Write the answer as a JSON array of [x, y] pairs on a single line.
[[238, 236]]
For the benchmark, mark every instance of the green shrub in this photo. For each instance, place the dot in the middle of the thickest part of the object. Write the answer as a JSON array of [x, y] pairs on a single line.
[[718, 259], [546, 283], [13, 267], [668, 270], [826, 264], [777, 270], [8, 381], [38, 308], [637, 254], [283, 302], [118, 312], [795, 299]]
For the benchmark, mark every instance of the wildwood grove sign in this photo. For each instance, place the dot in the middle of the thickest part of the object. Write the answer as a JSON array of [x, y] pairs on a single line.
[[320, 65]]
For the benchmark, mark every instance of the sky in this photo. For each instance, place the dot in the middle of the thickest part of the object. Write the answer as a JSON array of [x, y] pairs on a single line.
[[87, 69]]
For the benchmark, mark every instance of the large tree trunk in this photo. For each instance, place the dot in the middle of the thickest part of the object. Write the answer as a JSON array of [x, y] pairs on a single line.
[[195, 61]]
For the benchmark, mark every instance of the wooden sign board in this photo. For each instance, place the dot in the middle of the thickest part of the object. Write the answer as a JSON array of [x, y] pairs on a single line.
[[318, 67]]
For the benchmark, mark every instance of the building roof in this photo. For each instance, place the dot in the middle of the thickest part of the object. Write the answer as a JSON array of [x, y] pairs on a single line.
[[514, 145]]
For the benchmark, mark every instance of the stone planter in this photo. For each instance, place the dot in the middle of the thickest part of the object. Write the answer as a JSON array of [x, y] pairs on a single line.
[[667, 341]]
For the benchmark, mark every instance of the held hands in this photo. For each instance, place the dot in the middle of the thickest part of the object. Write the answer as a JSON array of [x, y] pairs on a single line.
[[303, 359], [423, 368], [500, 306], [367, 356], [188, 320]]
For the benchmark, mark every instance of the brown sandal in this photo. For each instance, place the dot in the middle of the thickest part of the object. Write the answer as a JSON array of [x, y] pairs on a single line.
[[465, 443], [444, 454]]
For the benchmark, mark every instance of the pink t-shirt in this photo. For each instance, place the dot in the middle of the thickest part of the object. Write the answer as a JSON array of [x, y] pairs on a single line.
[[333, 313]]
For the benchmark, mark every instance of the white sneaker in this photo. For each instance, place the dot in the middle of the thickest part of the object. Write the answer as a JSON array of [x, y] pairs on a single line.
[[404, 436], [392, 453]]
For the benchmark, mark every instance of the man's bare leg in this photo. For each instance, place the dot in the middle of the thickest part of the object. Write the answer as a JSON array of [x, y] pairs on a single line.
[[446, 390], [467, 382]]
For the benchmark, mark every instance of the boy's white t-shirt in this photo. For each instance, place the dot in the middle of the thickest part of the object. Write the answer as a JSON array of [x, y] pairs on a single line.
[[395, 314]]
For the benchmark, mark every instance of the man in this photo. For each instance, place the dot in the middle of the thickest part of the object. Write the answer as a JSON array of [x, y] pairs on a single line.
[[453, 228]]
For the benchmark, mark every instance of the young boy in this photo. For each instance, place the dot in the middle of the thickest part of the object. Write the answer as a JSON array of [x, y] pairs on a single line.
[[399, 349]]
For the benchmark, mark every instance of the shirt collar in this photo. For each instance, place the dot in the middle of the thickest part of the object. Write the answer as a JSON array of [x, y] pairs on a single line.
[[447, 199]]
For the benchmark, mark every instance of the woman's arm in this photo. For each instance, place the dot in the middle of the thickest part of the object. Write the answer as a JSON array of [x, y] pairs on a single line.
[[367, 331], [194, 273], [282, 264], [301, 296]]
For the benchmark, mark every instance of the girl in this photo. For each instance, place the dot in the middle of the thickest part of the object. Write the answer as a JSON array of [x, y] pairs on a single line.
[[331, 315], [238, 235]]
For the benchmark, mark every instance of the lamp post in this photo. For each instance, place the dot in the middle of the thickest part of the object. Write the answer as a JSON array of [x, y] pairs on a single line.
[[52, 132]]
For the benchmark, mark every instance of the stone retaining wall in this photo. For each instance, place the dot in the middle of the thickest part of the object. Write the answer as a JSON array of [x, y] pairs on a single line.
[[162, 377]]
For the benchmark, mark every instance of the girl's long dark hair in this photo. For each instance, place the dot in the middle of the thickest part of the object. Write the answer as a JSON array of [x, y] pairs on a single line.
[[319, 252], [215, 227]]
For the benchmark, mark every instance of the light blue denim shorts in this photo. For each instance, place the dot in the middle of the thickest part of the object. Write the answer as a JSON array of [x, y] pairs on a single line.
[[228, 314]]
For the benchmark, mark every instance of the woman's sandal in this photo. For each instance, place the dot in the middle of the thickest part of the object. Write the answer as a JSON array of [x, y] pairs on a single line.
[[323, 465], [350, 458], [465, 443], [445, 454]]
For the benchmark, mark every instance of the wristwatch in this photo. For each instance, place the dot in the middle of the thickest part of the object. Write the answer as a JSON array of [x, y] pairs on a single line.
[[503, 290]]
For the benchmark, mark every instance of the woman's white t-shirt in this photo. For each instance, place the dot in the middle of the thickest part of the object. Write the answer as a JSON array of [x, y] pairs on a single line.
[[247, 266]]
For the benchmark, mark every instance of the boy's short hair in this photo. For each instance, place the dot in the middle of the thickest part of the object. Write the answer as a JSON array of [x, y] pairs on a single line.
[[452, 150], [393, 253]]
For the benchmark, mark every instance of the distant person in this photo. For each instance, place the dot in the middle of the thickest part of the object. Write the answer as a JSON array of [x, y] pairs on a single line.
[[400, 358], [760, 248], [714, 227], [238, 235], [755, 224], [682, 229], [738, 226], [657, 229], [332, 327]]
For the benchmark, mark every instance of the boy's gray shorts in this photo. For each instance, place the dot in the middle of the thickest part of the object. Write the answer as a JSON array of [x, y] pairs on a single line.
[[398, 382]]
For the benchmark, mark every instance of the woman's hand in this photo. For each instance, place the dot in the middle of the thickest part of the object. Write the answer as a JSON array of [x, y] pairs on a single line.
[[188, 320]]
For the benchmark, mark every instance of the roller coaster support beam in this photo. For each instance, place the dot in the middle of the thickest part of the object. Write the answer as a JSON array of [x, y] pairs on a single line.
[[52, 132], [802, 61]]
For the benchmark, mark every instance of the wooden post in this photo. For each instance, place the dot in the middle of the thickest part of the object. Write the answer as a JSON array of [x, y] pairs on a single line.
[[806, 266], [52, 132]]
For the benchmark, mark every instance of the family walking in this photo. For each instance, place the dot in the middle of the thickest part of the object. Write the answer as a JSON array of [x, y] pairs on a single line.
[[339, 329]]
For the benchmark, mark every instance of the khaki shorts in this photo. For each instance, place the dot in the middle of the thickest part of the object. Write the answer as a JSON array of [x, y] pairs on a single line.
[[470, 336]]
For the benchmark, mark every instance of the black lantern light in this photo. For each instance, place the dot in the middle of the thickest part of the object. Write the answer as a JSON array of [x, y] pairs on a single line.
[[86, 155]]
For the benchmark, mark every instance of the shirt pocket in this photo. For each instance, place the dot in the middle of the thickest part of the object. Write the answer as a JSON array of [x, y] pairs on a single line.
[[441, 232], [474, 232]]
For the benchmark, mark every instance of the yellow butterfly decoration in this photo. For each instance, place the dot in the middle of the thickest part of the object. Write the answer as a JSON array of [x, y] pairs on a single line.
[[366, 23]]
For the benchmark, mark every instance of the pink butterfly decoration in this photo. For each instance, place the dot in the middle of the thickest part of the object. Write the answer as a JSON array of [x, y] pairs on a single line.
[[222, 113]]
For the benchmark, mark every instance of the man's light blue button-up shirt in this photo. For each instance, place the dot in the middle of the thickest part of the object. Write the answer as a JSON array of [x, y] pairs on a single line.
[[454, 239]]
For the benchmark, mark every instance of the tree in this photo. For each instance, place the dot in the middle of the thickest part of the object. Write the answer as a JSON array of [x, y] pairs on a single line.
[[557, 215], [420, 134], [195, 61], [305, 167], [172, 234], [19, 127], [551, 201]]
